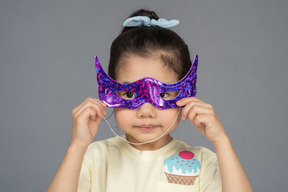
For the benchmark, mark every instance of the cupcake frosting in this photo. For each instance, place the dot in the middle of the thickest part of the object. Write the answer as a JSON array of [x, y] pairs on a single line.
[[184, 164]]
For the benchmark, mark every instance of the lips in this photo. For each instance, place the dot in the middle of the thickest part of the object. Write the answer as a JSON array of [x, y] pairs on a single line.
[[147, 127]]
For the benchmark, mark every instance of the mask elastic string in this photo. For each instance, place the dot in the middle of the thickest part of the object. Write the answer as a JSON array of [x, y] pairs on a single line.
[[147, 141]]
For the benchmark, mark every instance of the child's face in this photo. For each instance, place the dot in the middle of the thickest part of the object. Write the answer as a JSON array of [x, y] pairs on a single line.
[[147, 122]]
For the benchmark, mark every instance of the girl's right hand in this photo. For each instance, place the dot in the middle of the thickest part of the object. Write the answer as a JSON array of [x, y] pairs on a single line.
[[85, 121]]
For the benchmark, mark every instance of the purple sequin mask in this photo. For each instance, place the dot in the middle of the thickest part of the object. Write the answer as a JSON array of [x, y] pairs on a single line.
[[145, 90]]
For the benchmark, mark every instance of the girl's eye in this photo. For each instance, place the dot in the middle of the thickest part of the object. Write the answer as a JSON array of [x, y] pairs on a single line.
[[163, 95], [126, 94], [130, 95], [169, 95]]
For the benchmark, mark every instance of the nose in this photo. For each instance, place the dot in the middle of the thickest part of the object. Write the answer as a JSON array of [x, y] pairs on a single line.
[[147, 110]]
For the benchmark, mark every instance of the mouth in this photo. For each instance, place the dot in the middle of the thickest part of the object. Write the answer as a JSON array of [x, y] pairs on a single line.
[[147, 127]]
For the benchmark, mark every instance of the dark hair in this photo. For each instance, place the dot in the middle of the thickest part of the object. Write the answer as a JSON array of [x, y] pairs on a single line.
[[146, 41]]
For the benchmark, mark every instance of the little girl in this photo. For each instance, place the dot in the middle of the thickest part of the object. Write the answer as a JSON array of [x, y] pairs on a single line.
[[147, 158]]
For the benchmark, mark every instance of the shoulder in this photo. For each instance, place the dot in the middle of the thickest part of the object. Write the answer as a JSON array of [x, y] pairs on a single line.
[[103, 144], [101, 149]]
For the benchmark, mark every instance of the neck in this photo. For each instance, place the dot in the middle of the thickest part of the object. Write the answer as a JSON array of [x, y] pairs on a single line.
[[150, 146]]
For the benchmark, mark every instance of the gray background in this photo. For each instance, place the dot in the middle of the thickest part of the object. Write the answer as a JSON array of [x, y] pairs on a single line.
[[47, 51]]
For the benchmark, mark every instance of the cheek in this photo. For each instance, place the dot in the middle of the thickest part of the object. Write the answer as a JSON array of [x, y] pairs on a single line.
[[168, 116], [121, 116], [170, 112], [118, 114]]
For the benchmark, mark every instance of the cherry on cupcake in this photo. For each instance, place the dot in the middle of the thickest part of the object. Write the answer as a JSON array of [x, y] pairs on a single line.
[[186, 155]]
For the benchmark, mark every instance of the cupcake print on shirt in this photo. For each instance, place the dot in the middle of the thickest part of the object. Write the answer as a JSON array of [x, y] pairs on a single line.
[[182, 168]]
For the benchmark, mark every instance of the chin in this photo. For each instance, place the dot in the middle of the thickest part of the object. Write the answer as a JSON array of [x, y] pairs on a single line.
[[144, 138]]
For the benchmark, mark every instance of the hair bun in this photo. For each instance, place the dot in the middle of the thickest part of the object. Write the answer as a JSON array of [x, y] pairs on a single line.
[[144, 12], [141, 12], [154, 15]]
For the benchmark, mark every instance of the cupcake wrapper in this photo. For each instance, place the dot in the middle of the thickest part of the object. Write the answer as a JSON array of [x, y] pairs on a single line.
[[183, 180]]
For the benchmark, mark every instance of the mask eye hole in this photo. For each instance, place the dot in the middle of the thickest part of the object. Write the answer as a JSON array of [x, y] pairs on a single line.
[[169, 95], [126, 95]]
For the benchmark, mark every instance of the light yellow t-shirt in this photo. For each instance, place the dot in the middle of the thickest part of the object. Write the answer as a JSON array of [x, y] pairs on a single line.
[[113, 165]]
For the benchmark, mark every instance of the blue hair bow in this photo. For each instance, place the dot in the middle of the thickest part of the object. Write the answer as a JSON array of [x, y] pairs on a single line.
[[146, 21]]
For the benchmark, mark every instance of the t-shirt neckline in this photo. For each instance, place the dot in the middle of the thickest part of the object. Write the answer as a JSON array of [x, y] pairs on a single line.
[[147, 154]]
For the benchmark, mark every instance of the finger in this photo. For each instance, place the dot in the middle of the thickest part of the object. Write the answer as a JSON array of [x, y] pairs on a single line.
[[88, 113], [186, 109], [186, 100], [86, 101], [195, 100], [197, 110], [96, 106], [76, 109], [200, 121], [104, 105], [101, 105], [97, 102], [192, 106]]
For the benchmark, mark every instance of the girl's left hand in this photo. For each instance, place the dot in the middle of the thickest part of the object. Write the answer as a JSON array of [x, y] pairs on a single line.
[[203, 116]]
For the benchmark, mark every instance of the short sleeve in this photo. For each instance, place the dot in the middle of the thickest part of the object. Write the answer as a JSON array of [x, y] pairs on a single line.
[[84, 183], [210, 179]]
